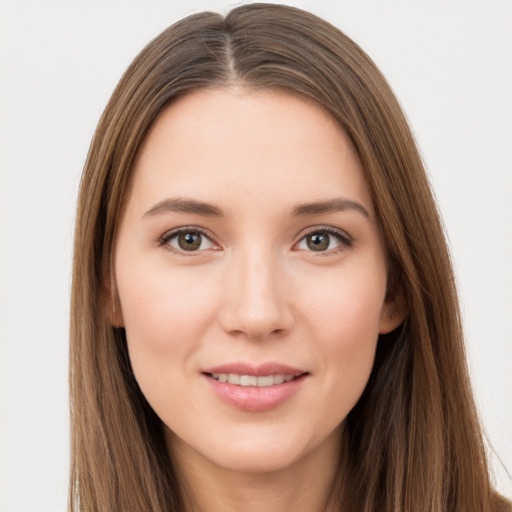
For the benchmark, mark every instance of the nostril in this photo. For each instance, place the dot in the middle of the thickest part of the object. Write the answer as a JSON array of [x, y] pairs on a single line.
[[251, 312]]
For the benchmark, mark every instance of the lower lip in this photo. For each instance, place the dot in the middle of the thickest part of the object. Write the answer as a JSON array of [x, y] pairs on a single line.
[[253, 398]]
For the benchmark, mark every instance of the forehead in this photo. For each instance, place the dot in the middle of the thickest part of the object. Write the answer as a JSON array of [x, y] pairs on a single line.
[[229, 144]]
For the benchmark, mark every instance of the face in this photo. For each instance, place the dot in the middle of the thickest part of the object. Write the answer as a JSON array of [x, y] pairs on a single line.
[[251, 278]]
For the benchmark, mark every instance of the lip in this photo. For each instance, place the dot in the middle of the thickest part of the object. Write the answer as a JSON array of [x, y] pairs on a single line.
[[261, 370], [252, 398]]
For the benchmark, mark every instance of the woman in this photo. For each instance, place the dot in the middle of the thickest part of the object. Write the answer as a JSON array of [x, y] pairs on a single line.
[[264, 313]]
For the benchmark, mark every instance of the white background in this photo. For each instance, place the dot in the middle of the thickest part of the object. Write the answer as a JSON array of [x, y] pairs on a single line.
[[450, 63]]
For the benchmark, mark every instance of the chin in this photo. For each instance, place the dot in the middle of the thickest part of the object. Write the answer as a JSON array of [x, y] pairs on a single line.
[[253, 451], [255, 462]]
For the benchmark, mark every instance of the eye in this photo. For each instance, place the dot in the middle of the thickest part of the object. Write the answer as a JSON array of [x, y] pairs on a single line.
[[188, 240], [322, 240]]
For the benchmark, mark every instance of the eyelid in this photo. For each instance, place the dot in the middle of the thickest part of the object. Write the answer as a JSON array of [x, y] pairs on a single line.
[[344, 238], [168, 235]]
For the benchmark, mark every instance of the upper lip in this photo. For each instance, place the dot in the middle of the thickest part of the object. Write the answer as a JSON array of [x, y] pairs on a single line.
[[260, 370]]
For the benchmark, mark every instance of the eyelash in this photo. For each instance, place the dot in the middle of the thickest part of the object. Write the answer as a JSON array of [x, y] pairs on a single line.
[[170, 235], [345, 241]]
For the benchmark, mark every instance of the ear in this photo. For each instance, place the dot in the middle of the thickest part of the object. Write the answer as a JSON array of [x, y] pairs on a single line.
[[111, 300], [393, 313]]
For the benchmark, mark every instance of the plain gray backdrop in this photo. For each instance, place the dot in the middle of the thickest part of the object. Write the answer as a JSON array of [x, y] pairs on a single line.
[[450, 64]]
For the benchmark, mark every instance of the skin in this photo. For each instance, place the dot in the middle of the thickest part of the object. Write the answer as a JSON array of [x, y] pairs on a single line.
[[253, 291]]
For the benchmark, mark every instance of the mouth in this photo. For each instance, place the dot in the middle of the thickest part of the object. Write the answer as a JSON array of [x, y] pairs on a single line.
[[261, 381], [255, 388]]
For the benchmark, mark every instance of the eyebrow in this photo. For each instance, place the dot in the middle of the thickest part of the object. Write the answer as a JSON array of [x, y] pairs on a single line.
[[330, 206], [192, 206], [181, 205]]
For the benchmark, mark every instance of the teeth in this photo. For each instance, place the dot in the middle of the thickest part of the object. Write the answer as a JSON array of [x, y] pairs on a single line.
[[266, 381], [252, 380], [233, 378], [249, 380], [278, 379]]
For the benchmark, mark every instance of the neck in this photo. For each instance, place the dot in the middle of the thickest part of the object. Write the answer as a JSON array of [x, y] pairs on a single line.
[[304, 486]]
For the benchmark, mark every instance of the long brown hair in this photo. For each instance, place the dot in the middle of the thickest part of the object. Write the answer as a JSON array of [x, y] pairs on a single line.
[[414, 441]]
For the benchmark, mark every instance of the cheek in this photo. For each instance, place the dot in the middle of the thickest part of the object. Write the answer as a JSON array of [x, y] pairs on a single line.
[[350, 343], [347, 304], [165, 313], [345, 318]]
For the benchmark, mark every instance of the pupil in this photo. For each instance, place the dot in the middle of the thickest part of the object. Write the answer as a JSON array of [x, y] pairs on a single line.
[[189, 241], [318, 242]]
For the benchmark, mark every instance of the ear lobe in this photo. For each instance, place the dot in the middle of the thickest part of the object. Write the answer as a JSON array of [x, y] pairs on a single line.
[[393, 313]]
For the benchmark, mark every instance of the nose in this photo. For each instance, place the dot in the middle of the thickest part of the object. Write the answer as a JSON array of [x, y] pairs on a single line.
[[255, 301]]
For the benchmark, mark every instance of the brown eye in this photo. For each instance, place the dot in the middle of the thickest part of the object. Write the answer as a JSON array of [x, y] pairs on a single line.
[[188, 240], [324, 240], [318, 241]]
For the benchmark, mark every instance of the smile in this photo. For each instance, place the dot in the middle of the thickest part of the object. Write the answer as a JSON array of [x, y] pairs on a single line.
[[255, 388], [252, 380]]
